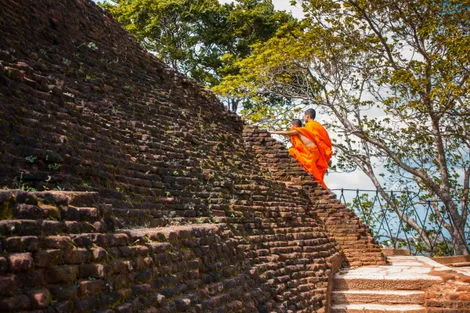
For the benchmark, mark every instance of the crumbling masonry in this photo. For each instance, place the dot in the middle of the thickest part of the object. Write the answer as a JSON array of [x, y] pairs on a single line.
[[173, 204]]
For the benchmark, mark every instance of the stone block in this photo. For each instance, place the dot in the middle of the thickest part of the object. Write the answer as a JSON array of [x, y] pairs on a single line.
[[32, 278], [61, 274], [8, 284], [22, 244], [93, 270], [74, 227], [98, 254], [72, 213], [15, 303], [40, 298], [109, 299], [58, 242], [63, 307], [120, 267], [64, 292], [87, 288], [141, 289], [86, 304], [77, 256], [29, 211], [52, 227], [20, 262], [3, 264], [124, 308], [48, 258], [87, 240]]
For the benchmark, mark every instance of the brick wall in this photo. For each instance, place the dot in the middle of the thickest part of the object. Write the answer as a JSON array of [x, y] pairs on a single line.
[[354, 238], [59, 252], [450, 296], [178, 215]]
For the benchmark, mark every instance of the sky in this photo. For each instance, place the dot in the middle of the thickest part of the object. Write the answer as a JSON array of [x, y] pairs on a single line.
[[281, 5], [354, 180]]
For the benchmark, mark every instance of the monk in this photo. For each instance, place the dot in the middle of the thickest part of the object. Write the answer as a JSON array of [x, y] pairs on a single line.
[[311, 145]]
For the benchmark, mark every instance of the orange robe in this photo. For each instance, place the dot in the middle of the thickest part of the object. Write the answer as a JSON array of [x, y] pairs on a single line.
[[314, 159]]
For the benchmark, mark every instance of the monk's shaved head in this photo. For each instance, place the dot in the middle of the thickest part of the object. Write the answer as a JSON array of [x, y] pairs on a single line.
[[296, 123], [311, 113]]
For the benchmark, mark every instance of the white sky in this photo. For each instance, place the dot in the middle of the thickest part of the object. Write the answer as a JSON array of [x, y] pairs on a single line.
[[281, 5]]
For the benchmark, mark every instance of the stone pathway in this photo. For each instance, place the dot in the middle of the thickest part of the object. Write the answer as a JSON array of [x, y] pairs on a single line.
[[393, 288]]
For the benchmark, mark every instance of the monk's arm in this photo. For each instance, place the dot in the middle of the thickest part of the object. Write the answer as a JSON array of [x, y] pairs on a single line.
[[284, 132]]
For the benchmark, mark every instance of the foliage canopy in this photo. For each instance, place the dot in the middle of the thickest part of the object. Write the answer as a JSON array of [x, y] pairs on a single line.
[[200, 38]]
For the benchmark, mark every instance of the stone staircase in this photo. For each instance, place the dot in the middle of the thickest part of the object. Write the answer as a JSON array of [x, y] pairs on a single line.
[[395, 288], [31, 221]]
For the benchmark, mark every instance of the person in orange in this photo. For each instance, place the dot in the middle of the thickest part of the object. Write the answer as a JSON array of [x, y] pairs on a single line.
[[311, 145]]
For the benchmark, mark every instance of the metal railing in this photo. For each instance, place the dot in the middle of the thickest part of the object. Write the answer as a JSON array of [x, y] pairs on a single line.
[[389, 226]]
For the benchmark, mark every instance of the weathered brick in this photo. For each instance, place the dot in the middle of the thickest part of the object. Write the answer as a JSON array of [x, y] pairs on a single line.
[[124, 293], [29, 211], [77, 256], [32, 278], [124, 308], [109, 299], [22, 244], [99, 254], [47, 258], [8, 284], [20, 262], [143, 262], [128, 251], [88, 288], [87, 240], [74, 227], [183, 304], [92, 270], [121, 281], [64, 292], [58, 242], [3, 264], [79, 213], [464, 297], [61, 274], [16, 303], [86, 304], [120, 266], [40, 298], [63, 307], [141, 289], [52, 227], [113, 240]]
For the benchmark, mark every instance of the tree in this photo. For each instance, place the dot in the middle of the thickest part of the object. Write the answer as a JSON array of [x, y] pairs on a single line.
[[393, 78], [200, 38]]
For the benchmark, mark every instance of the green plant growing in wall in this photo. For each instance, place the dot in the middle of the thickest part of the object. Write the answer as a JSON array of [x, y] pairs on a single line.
[[54, 166], [31, 159], [21, 185]]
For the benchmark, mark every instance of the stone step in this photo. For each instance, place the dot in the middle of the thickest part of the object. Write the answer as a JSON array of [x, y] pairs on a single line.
[[21, 204], [72, 213], [41, 211], [75, 198], [392, 281], [460, 264], [377, 308], [378, 296], [20, 228]]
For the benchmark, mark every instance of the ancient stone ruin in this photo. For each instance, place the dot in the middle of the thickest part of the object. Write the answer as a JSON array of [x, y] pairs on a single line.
[[126, 187]]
